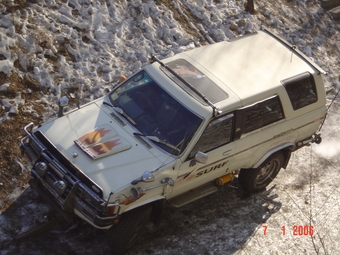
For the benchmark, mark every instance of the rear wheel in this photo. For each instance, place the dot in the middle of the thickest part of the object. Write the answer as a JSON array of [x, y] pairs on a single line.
[[257, 179], [122, 237]]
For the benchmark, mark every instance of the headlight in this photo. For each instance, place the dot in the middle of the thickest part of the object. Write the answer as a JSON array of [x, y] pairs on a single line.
[[60, 187], [136, 193], [41, 168]]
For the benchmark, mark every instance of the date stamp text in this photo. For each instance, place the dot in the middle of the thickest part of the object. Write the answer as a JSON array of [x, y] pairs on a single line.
[[296, 230]]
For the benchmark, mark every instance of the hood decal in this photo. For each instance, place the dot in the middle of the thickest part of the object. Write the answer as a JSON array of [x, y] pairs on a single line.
[[101, 142]]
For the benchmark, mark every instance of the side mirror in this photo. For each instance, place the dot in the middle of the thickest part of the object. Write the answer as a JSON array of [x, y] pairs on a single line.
[[200, 157], [146, 177], [62, 103]]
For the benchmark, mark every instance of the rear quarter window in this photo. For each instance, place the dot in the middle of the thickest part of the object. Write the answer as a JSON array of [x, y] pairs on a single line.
[[262, 113], [301, 90]]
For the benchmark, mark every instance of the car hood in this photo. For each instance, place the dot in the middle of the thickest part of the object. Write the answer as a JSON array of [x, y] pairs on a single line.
[[101, 148]]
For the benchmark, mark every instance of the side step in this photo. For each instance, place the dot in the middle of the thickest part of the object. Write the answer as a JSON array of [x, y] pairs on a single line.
[[193, 195]]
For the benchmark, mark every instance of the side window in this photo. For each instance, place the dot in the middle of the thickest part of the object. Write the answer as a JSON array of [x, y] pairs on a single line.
[[301, 90], [262, 114], [217, 133]]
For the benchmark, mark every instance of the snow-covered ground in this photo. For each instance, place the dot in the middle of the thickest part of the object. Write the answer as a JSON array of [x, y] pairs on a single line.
[[83, 46], [87, 44]]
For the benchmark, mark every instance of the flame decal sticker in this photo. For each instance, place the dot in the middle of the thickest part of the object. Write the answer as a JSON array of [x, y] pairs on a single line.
[[101, 142], [93, 136], [105, 147]]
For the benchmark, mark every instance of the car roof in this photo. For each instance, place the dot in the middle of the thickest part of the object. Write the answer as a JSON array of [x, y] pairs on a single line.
[[250, 67]]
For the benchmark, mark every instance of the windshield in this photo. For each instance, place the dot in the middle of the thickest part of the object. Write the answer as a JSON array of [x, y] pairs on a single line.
[[155, 113]]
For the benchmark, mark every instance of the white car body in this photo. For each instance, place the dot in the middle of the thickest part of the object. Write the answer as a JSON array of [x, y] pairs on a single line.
[[245, 72]]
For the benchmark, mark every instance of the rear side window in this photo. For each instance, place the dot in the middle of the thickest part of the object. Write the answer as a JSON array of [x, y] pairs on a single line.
[[262, 113], [301, 90]]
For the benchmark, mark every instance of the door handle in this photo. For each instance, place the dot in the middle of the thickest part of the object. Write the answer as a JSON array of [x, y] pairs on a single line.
[[226, 153]]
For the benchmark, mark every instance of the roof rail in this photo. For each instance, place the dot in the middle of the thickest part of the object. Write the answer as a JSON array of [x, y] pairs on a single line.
[[295, 49]]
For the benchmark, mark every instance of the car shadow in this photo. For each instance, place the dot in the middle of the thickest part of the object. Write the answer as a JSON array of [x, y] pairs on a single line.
[[217, 224], [53, 236], [221, 223]]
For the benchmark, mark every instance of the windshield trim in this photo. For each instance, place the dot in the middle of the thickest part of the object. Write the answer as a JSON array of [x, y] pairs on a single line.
[[189, 131]]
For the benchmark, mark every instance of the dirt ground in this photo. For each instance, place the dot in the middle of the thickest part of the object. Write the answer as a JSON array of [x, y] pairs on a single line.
[[12, 170]]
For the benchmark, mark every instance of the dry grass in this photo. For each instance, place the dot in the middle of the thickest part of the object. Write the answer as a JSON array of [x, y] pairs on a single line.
[[11, 173]]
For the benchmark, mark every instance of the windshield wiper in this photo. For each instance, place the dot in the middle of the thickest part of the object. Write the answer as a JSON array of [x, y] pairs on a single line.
[[157, 140], [107, 103], [121, 112]]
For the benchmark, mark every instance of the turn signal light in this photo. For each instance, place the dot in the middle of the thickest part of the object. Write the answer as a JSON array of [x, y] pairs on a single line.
[[111, 210]]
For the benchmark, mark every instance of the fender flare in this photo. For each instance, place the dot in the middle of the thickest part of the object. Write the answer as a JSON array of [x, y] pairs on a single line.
[[284, 146], [157, 208], [150, 200]]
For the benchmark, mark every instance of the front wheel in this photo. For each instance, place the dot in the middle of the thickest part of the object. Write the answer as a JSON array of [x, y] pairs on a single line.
[[257, 179], [122, 236]]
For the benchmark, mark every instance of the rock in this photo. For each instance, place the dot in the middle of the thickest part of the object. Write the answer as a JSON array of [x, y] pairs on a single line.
[[4, 87], [11, 105], [36, 70], [6, 66]]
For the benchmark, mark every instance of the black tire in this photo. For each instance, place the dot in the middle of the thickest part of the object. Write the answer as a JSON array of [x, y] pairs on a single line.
[[257, 179], [122, 236]]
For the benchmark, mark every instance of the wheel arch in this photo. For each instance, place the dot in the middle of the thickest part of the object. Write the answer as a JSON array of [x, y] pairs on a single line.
[[157, 208], [140, 202], [286, 149]]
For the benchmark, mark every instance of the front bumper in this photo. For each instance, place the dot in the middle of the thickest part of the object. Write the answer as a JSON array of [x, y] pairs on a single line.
[[79, 194]]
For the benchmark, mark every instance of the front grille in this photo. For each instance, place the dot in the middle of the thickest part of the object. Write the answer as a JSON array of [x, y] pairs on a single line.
[[35, 146], [60, 173], [61, 162], [61, 183]]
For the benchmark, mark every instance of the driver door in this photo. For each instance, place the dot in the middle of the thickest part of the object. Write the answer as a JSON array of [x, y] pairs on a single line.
[[216, 148]]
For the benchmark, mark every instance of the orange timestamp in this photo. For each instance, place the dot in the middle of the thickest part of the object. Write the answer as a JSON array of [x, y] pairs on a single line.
[[297, 230]]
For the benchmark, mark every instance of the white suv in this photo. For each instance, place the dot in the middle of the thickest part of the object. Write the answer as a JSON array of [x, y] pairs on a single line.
[[177, 129]]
